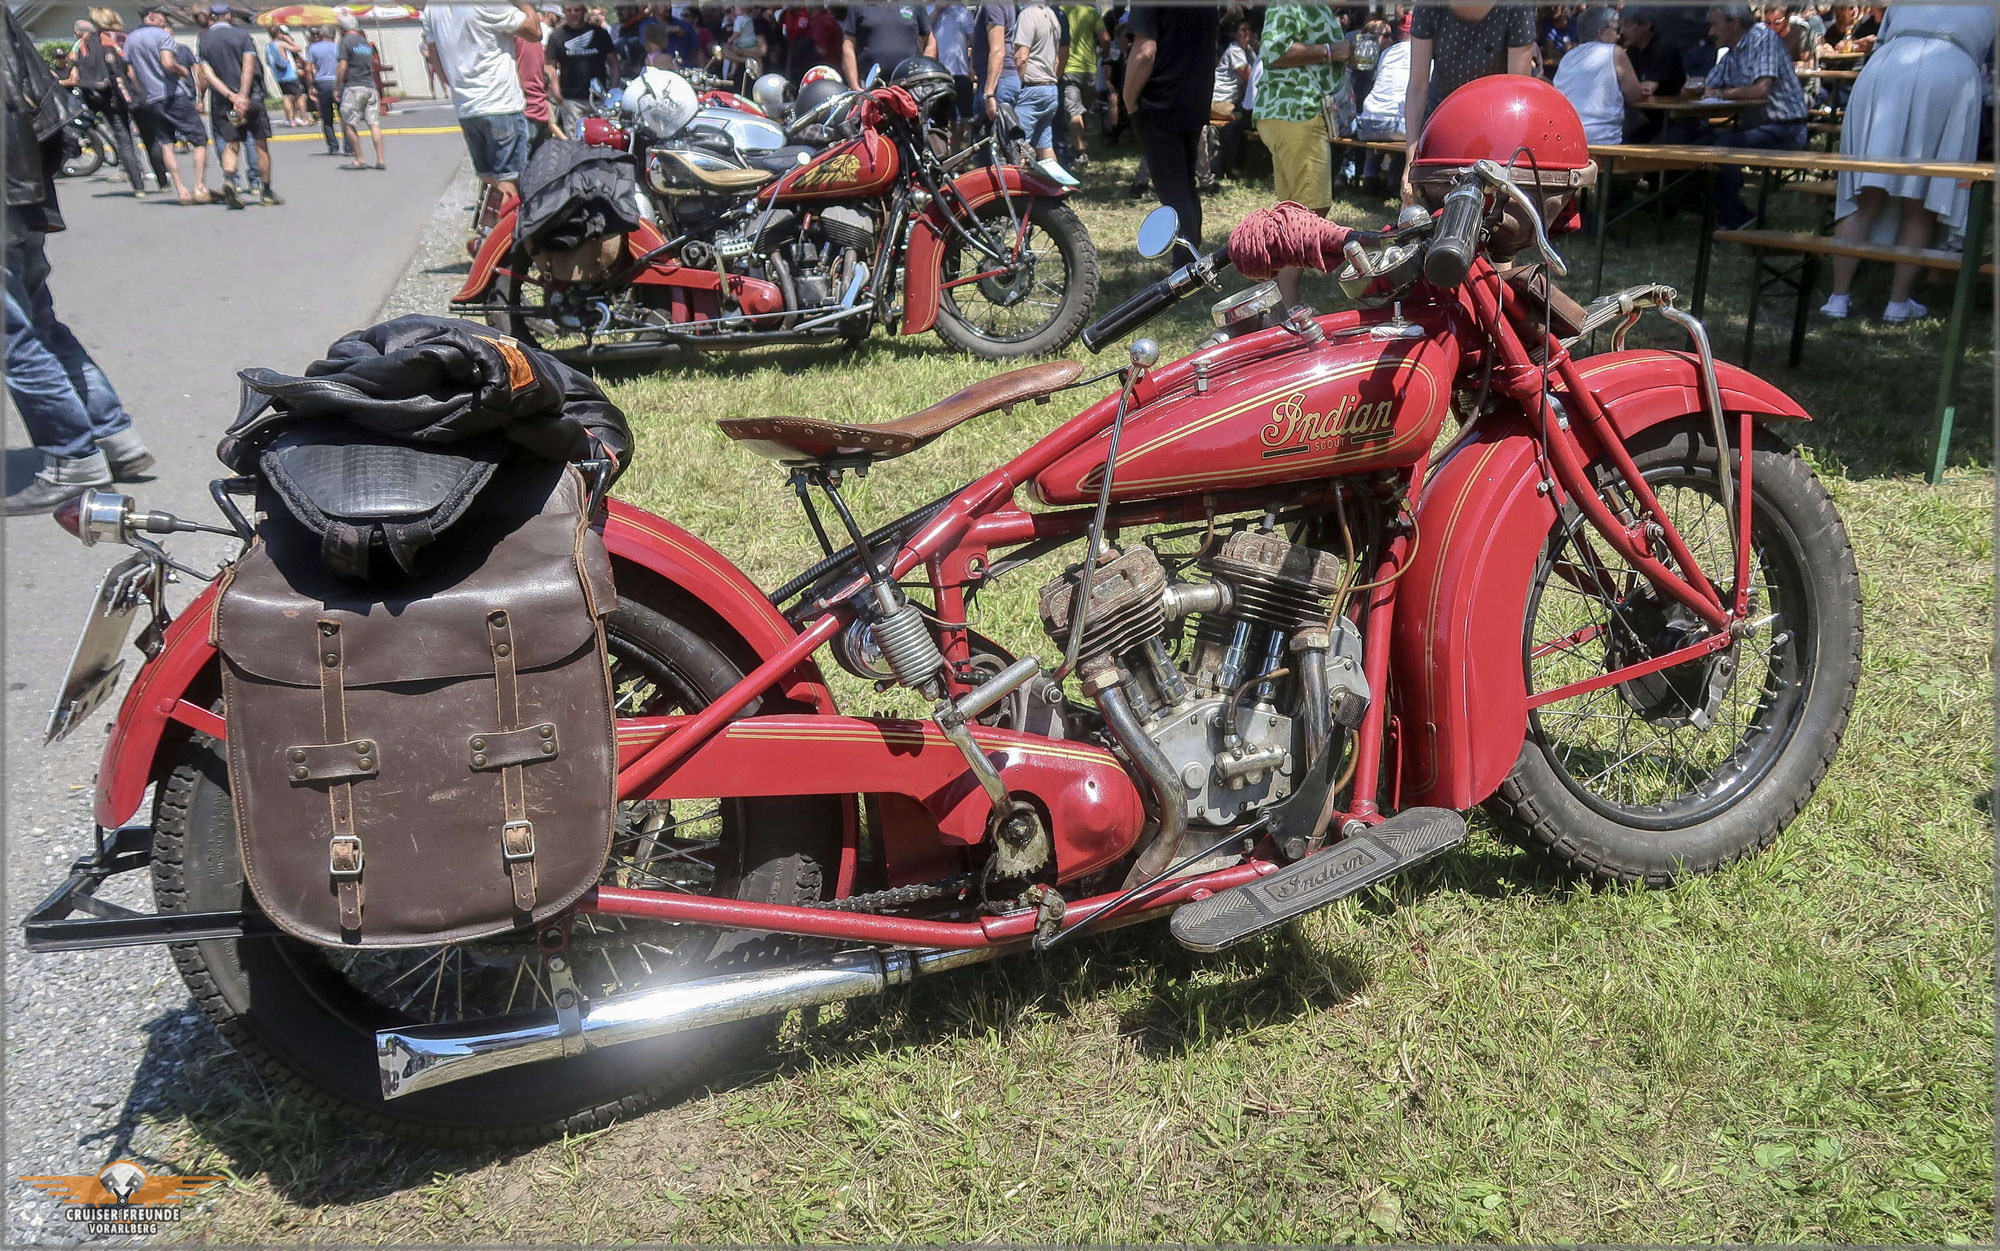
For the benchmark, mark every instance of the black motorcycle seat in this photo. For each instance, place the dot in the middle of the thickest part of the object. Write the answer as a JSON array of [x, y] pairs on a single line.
[[360, 493], [780, 161], [358, 478]]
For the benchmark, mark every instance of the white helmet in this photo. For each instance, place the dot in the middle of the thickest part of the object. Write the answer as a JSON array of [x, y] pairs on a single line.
[[661, 100], [769, 92]]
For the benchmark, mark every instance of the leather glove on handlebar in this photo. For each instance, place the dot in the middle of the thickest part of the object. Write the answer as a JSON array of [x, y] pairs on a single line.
[[1285, 236]]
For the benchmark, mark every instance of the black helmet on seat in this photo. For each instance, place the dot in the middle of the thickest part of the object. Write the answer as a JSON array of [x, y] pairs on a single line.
[[816, 92], [926, 78]]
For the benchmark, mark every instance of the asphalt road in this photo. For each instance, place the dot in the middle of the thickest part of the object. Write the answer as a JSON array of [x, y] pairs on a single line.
[[172, 301]]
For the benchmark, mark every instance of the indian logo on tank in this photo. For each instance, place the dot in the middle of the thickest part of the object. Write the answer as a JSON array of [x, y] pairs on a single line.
[[833, 171], [1294, 428]]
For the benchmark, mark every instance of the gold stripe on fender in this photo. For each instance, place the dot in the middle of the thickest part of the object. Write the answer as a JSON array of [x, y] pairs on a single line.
[[1332, 457], [728, 574], [1477, 477]]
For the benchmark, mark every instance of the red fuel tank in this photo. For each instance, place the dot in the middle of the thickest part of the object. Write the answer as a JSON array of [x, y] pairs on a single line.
[[1351, 405], [862, 166]]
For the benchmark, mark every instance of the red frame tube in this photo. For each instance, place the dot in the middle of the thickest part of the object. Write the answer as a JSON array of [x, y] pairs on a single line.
[[863, 927], [1567, 454]]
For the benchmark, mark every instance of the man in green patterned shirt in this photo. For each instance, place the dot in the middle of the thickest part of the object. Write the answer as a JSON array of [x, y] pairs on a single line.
[[1302, 53]]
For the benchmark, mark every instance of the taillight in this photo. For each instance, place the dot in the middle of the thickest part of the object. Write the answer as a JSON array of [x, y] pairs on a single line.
[[69, 514]]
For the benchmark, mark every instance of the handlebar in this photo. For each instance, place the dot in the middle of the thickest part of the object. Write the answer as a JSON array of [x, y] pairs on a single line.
[[1456, 242], [1152, 301], [1448, 256]]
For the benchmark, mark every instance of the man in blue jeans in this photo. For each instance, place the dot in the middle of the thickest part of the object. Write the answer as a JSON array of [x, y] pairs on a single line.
[[471, 46], [72, 414], [1039, 51], [1758, 70]]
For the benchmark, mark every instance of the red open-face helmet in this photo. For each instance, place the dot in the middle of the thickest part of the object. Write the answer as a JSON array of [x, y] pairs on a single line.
[[1515, 121]]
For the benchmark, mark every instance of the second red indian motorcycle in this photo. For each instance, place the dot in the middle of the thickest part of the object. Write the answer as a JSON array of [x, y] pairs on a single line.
[[1293, 645]]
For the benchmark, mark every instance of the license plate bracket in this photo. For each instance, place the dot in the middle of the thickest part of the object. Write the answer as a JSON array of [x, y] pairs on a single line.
[[95, 665]]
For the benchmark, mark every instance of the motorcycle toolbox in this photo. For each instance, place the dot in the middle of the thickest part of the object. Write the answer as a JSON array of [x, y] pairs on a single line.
[[432, 759]]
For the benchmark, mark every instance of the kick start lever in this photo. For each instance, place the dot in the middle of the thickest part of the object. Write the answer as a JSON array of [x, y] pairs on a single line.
[[952, 717]]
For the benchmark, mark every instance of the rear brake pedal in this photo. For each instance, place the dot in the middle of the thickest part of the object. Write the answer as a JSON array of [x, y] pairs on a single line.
[[1403, 841]]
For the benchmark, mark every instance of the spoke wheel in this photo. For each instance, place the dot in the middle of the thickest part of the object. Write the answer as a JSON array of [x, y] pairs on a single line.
[[1032, 302], [91, 153], [307, 1014], [674, 845], [1691, 767]]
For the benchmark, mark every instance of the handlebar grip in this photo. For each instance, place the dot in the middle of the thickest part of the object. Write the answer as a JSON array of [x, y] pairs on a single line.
[[1456, 242], [1128, 316]]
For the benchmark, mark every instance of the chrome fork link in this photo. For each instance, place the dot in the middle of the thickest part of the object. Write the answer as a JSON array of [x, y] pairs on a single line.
[[1712, 396]]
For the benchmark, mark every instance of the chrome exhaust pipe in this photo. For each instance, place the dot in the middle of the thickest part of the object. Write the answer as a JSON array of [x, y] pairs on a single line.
[[423, 1057]]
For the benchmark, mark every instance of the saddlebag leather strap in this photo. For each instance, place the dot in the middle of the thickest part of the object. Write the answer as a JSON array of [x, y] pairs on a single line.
[[307, 763], [517, 833], [497, 749], [344, 856]]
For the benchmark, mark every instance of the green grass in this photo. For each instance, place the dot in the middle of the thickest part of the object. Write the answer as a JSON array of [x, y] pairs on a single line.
[[1799, 1048]]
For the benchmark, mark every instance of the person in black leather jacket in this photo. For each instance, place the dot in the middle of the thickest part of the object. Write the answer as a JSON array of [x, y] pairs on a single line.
[[72, 414]]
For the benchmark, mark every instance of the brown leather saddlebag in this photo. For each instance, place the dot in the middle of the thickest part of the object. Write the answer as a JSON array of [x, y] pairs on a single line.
[[431, 759]]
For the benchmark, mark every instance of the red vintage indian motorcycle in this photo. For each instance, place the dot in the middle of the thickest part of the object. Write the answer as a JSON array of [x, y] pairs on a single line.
[[741, 248], [1617, 609]]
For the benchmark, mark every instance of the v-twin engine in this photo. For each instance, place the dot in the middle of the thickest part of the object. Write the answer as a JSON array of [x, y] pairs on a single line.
[[1268, 680]]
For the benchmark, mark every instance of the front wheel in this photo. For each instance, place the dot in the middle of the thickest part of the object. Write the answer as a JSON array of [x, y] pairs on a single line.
[[1030, 304], [1680, 772], [307, 1015]]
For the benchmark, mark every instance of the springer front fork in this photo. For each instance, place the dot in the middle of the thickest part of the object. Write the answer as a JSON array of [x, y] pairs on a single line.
[[1625, 511]]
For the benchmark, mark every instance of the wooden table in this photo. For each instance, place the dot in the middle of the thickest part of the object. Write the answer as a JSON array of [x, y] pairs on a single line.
[[1856, 55], [1831, 75], [1709, 158], [1674, 106]]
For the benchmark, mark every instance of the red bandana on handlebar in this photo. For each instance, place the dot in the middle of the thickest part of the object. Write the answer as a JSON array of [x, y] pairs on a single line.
[[890, 100], [1285, 236]]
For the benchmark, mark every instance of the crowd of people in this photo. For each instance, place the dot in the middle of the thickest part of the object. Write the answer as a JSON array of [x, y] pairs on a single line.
[[1188, 81], [184, 101]]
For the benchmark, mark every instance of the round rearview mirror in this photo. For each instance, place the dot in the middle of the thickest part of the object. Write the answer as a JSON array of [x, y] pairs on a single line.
[[1158, 232]]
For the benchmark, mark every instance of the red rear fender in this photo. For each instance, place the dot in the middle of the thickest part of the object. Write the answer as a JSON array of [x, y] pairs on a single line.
[[493, 249], [653, 561], [923, 263]]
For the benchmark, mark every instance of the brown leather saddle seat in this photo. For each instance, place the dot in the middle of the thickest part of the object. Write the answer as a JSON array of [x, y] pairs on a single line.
[[807, 440]]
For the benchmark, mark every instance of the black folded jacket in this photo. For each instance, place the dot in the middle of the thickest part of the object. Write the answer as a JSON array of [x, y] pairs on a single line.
[[382, 445]]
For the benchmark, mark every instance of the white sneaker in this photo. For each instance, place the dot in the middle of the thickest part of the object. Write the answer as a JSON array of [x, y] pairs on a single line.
[[1901, 311], [1056, 173], [1836, 305]]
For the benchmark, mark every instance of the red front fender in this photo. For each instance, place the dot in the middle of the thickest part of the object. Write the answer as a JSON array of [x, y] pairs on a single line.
[[923, 263], [178, 686], [492, 250], [1459, 678]]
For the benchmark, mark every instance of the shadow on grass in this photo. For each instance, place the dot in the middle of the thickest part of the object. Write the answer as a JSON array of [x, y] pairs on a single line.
[[1170, 1003]]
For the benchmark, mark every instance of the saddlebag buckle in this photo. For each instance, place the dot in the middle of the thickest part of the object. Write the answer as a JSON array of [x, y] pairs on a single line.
[[344, 859], [517, 842]]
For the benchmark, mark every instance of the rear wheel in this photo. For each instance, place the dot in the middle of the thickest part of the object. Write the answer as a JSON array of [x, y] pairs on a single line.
[[307, 1015], [1033, 303], [526, 310], [91, 150], [1691, 768]]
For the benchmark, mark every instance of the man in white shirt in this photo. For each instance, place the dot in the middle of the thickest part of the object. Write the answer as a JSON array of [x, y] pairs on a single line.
[[471, 47]]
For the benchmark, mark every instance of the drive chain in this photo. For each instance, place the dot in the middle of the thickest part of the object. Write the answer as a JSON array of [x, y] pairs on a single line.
[[896, 896]]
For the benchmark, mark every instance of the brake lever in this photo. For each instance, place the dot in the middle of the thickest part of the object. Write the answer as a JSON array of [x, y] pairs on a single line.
[[1491, 173]]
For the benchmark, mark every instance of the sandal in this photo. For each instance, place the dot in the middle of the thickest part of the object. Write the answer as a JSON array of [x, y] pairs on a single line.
[[354, 165], [380, 165]]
